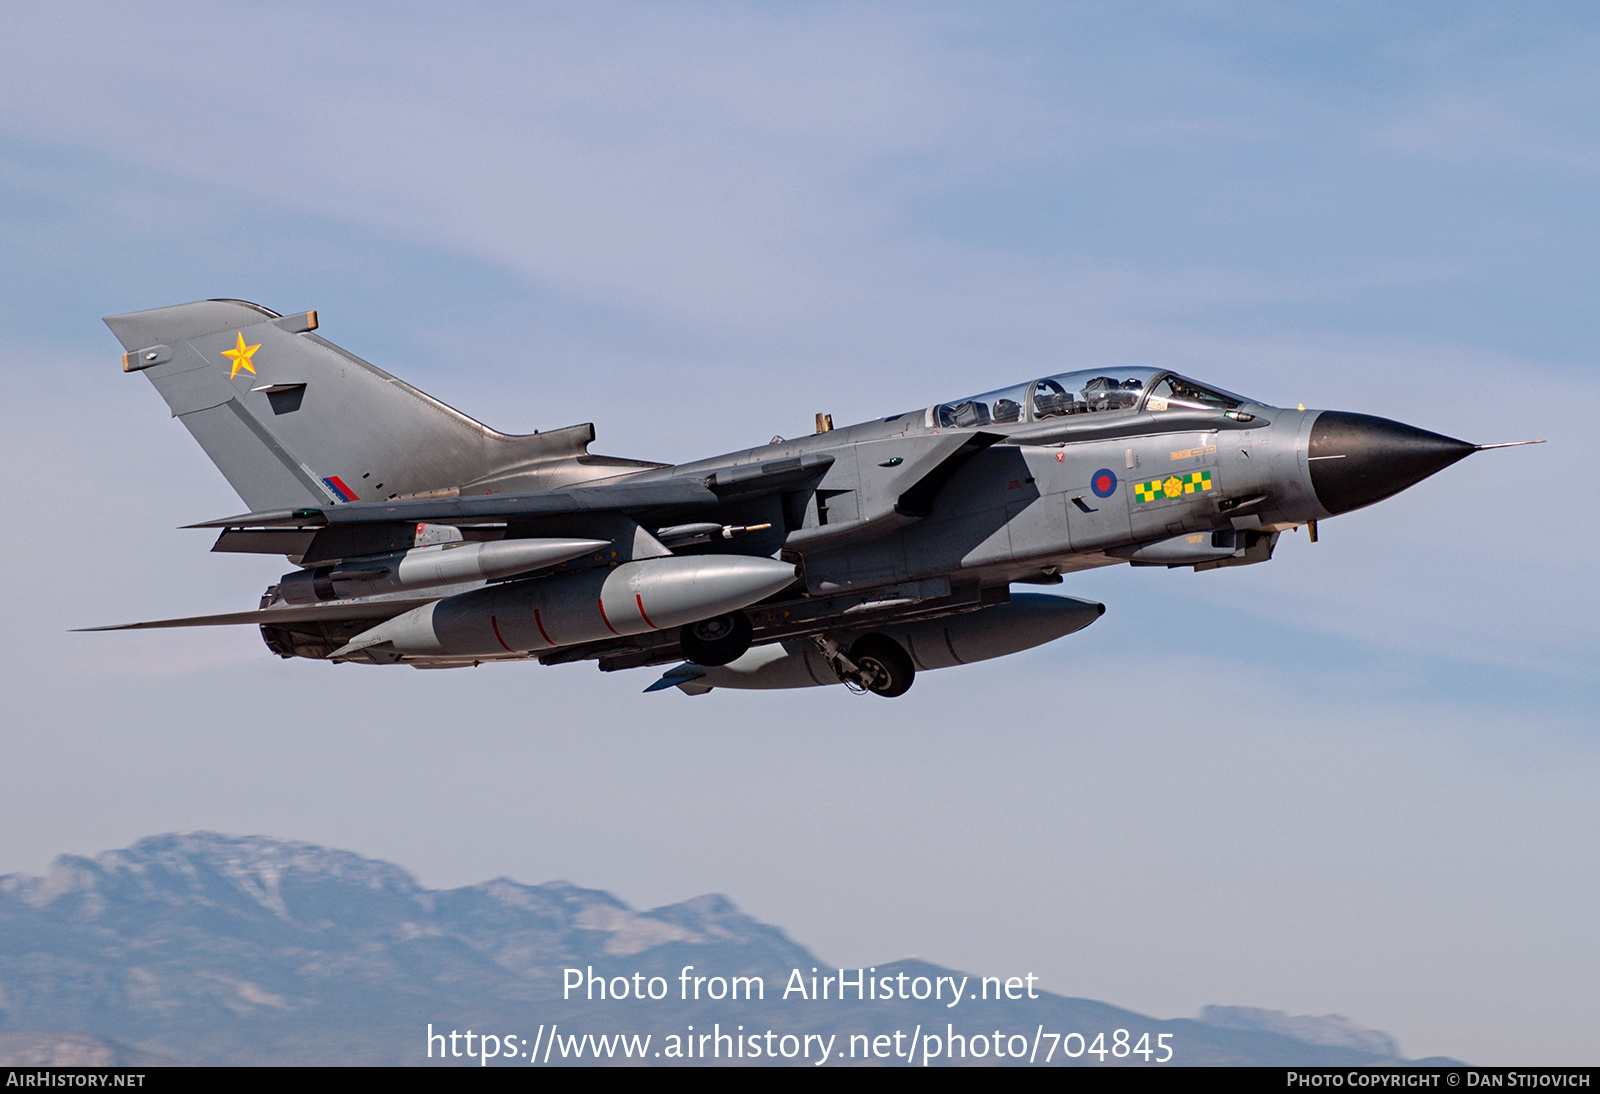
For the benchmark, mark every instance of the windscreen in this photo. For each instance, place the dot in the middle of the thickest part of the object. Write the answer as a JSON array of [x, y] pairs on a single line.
[[1176, 393]]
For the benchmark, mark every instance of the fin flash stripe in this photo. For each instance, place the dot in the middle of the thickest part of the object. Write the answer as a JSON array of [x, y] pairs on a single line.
[[340, 490]]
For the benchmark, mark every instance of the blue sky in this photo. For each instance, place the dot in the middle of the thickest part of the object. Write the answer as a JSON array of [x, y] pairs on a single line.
[[1364, 782]]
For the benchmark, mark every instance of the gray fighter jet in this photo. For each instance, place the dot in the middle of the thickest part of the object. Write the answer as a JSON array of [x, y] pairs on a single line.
[[854, 556]]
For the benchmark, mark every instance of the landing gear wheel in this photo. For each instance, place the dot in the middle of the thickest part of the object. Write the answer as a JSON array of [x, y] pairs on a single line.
[[886, 662], [716, 641]]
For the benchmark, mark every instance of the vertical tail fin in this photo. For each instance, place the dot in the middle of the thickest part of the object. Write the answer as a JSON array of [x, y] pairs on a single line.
[[291, 420]]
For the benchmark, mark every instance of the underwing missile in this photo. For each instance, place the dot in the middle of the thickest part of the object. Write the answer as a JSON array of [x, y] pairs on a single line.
[[431, 566]]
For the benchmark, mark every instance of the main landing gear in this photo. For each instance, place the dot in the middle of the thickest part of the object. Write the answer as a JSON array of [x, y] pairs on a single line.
[[875, 663], [718, 640]]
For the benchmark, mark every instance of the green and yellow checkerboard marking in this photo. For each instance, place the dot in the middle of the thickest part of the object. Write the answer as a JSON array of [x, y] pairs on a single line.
[[1191, 482]]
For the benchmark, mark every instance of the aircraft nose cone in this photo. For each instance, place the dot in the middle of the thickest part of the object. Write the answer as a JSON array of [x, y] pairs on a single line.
[[1357, 459]]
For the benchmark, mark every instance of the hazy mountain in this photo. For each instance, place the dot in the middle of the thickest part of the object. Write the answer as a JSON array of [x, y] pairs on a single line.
[[1330, 1029], [219, 949], [47, 1048]]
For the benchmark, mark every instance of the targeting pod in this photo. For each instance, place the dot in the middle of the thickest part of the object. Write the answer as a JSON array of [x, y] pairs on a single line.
[[1026, 621]]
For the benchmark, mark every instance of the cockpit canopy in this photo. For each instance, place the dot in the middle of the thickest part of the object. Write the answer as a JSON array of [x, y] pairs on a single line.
[[1089, 391]]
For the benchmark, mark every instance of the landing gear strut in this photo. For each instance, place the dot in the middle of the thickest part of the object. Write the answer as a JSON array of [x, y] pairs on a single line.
[[875, 663]]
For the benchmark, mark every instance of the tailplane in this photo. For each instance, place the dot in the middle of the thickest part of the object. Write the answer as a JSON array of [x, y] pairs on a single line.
[[293, 420]]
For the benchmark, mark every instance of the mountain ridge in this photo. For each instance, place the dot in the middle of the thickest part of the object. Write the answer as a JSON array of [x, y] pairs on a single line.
[[211, 948]]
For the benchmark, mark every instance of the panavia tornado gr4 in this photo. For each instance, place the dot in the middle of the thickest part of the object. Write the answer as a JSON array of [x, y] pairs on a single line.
[[856, 556]]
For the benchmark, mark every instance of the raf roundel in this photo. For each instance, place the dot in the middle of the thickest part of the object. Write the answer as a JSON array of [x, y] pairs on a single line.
[[1104, 483]]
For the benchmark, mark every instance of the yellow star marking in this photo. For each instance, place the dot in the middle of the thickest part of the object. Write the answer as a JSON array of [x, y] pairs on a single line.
[[1172, 487], [240, 356]]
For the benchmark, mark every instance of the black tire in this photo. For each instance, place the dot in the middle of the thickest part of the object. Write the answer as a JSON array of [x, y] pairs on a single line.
[[888, 660], [718, 640]]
